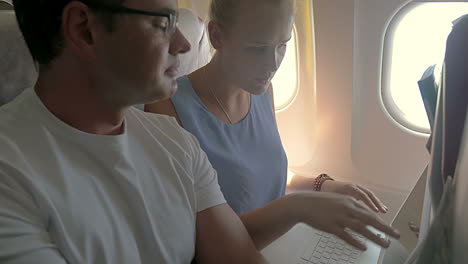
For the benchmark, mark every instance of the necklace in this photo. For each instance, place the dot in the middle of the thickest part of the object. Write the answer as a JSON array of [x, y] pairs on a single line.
[[220, 105], [219, 102]]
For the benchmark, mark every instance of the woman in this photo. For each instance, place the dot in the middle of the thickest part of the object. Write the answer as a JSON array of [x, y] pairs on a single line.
[[228, 106]]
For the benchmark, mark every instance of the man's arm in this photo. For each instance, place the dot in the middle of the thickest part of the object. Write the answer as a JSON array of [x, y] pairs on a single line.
[[222, 238], [23, 234]]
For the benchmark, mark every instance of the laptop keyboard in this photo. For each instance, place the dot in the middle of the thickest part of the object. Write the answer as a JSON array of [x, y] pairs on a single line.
[[328, 249]]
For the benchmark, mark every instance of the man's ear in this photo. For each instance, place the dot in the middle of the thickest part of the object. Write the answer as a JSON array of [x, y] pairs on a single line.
[[78, 24], [215, 33]]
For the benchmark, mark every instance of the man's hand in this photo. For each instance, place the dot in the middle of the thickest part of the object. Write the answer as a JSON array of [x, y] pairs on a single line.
[[358, 192]]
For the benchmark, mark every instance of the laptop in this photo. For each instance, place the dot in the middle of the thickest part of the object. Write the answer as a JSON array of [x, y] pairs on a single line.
[[306, 245]]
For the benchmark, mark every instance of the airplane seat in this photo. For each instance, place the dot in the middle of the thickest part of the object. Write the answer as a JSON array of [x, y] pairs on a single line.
[[446, 138], [194, 30], [456, 93], [452, 103], [5, 5], [17, 70]]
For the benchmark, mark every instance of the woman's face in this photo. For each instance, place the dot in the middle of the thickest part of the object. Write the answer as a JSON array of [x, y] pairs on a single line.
[[254, 46]]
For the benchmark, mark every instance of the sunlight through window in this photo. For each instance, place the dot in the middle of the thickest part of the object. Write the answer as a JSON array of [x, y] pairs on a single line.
[[285, 82], [418, 41]]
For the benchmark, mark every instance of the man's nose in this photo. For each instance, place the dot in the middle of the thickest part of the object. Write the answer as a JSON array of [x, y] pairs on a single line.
[[179, 44]]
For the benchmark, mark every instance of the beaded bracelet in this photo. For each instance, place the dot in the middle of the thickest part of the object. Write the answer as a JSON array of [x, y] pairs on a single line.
[[320, 180]]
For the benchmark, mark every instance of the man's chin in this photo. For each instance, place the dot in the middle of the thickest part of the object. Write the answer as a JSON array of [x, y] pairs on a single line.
[[173, 88], [172, 92], [164, 93]]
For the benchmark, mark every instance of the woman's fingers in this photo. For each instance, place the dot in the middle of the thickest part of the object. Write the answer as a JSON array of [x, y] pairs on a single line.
[[368, 218], [376, 201], [360, 194], [348, 238], [360, 228]]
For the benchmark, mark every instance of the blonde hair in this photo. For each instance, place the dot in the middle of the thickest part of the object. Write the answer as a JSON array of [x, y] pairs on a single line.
[[223, 12]]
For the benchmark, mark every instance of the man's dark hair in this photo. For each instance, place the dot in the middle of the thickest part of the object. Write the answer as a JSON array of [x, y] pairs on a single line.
[[40, 22]]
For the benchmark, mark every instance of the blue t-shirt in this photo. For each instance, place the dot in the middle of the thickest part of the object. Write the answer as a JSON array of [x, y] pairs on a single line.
[[248, 156]]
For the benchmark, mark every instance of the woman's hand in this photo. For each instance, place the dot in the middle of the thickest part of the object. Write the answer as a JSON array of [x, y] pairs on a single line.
[[335, 213], [359, 192]]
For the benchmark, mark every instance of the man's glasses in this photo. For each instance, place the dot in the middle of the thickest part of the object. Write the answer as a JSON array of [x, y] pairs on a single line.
[[172, 18]]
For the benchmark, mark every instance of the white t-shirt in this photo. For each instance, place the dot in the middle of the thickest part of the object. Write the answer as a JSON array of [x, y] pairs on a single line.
[[67, 196]]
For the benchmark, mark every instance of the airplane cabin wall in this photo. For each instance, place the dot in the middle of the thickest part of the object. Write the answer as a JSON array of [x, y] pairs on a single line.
[[333, 25], [200, 7], [388, 155], [354, 139]]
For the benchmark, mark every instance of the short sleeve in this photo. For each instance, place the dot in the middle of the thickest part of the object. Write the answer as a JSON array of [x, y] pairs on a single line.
[[207, 190], [23, 233]]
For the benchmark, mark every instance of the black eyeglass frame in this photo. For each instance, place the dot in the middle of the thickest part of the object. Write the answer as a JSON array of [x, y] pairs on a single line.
[[116, 9]]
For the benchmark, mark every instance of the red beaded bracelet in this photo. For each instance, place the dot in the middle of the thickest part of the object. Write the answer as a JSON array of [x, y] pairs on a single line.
[[320, 180]]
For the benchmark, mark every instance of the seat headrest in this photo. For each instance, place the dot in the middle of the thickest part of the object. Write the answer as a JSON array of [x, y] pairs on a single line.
[[194, 30], [6, 3], [456, 92], [17, 71]]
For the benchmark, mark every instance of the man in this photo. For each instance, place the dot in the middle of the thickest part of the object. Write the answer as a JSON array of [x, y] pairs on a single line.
[[86, 178]]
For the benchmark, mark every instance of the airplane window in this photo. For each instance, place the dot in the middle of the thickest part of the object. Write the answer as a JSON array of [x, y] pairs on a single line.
[[415, 40], [285, 82]]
